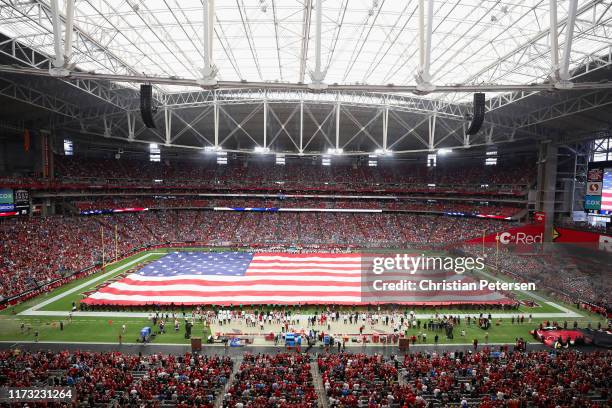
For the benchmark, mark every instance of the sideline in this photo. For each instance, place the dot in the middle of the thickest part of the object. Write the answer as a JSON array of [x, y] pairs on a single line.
[[33, 311], [541, 299], [55, 313], [356, 345]]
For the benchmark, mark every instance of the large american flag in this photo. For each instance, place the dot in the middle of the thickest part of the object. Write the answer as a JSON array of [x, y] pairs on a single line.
[[241, 278]]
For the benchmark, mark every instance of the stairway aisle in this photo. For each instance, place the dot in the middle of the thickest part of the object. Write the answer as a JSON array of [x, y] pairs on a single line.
[[318, 384], [219, 399]]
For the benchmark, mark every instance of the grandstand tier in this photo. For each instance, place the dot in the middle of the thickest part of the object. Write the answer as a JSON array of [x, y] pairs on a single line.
[[306, 204]]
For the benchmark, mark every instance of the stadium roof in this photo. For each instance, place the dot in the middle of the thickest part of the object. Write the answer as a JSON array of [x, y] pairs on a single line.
[[266, 49]]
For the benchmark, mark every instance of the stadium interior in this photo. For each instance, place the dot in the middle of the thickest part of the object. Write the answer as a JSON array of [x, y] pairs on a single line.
[[200, 202]]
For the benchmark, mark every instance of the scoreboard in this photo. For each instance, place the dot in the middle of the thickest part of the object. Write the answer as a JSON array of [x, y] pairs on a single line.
[[598, 197], [14, 202]]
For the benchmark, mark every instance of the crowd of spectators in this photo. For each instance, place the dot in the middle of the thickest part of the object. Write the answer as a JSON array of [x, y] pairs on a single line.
[[298, 174], [561, 270], [483, 378], [282, 380], [41, 249], [186, 202], [355, 380], [37, 250], [117, 379], [486, 377], [605, 228], [511, 379]]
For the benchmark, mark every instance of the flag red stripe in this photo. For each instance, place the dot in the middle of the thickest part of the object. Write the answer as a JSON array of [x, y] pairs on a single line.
[[179, 293], [313, 293], [91, 301], [129, 281], [302, 256]]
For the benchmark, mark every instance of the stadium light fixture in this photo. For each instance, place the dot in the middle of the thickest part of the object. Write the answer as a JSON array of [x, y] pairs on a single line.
[[383, 152], [154, 152], [431, 160], [335, 152], [372, 160], [212, 149], [491, 159], [221, 157], [68, 147], [262, 150], [444, 151]]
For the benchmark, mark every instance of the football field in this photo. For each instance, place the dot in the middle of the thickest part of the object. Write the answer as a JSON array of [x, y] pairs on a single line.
[[50, 315]]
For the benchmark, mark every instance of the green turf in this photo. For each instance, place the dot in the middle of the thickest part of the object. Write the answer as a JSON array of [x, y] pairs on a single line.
[[87, 329], [100, 329], [65, 303], [107, 330]]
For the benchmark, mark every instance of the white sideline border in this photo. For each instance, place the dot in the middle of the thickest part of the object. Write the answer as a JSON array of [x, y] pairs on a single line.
[[30, 311], [34, 310], [566, 312]]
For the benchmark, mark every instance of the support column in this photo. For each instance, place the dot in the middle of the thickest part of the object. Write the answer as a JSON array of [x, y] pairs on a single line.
[[432, 130], [216, 119], [58, 61], [546, 186], [69, 27], [564, 76], [423, 77], [265, 122], [168, 126], [209, 72], [301, 126], [337, 125], [569, 37], [466, 138], [385, 127], [318, 75], [554, 40], [131, 122]]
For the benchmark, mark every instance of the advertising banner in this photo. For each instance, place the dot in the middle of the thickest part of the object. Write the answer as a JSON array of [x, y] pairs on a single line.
[[534, 233], [594, 188], [592, 202], [526, 234]]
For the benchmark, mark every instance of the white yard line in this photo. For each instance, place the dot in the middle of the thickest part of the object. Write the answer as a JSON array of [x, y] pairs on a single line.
[[30, 311]]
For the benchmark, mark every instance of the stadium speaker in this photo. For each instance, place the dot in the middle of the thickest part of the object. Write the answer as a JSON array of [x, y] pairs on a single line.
[[146, 105], [478, 115]]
